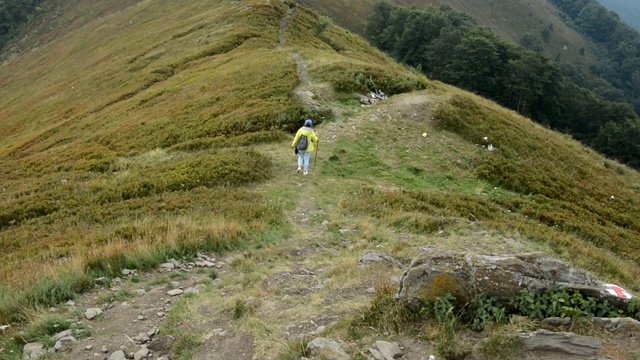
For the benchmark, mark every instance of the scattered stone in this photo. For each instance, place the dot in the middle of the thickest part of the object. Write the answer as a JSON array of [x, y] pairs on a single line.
[[377, 355], [389, 350], [140, 317], [141, 354], [328, 349], [33, 351], [127, 272], [63, 334], [372, 257], [464, 274], [175, 284], [560, 342], [160, 314], [168, 266], [152, 332], [618, 325], [64, 343], [118, 355], [104, 349], [142, 338], [102, 281], [321, 330], [141, 292], [92, 313], [557, 322], [88, 347], [70, 303], [325, 223], [52, 309], [205, 263], [175, 292], [161, 344]]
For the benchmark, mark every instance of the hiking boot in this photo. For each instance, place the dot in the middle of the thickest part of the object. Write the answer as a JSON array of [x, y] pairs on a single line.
[[305, 172], [299, 168]]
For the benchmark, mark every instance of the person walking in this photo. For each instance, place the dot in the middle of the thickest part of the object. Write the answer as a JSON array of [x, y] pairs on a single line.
[[304, 145]]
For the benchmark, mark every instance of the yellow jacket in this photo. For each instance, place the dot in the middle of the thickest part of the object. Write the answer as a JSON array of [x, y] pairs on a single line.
[[310, 134]]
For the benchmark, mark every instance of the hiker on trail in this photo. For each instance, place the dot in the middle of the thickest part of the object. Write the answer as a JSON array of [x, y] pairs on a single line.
[[303, 143]]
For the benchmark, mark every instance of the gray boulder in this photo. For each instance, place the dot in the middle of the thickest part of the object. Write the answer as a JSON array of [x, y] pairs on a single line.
[[92, 313], [118, 355], [64, 343], [371, 257], [161, 344], [33, 351], [618, 325], [389, 350], [326, 349], [560, 342], [463, 274]]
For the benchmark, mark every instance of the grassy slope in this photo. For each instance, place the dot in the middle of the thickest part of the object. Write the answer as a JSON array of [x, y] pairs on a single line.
[[131, 137], [193, 159], [508, 19]]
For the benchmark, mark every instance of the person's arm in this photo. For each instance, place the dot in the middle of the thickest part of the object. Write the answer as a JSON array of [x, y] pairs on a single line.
[[295, 140]]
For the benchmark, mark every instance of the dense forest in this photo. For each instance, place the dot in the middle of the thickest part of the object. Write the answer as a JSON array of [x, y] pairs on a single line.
[[629, 10], [617, 47], [13, 14], [449, 46]]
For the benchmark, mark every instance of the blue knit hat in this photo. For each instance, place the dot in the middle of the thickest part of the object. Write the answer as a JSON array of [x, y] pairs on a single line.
[[308, 122]]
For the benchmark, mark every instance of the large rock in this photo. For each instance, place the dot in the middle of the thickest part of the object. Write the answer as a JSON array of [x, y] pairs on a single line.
[[437, 272], [118, 355], [33, 351], [618, 325], [371, 257], [326, 349], [64, 343], [92, 313], [161, 344], [560, 342]]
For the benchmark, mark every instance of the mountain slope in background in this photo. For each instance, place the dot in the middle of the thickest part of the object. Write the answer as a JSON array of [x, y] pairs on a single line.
[[511, 20], [628, 10]]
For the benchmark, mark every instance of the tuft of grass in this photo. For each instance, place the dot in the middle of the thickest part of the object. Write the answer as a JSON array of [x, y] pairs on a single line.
[[294, 350], [385, 313], [240, 309], [187, 344]]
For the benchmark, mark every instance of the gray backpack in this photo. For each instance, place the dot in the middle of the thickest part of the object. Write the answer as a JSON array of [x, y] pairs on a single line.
[[303, 143]]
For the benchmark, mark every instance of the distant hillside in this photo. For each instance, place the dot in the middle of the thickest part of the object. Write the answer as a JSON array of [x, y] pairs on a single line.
[[511, 20], [628, 10]]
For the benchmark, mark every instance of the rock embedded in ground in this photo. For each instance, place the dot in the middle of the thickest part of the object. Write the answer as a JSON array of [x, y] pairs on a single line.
[[168, 266], [389, 350], [141, 354], [435, 272], [63, 334], [64, 343], [142, 338], [560, 342], [618, 325], [33, 351], [372, 257], [175, 292], [92, 313], [118, 355], [328, 349], [161, 344]]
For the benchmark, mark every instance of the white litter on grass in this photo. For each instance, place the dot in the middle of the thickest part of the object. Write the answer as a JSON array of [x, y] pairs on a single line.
[[490, 147], [485, 139]]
